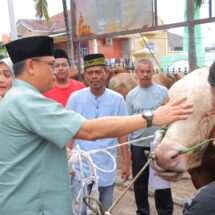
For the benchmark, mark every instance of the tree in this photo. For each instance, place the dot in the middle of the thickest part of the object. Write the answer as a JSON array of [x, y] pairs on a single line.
[[41, 7], [192, 6]]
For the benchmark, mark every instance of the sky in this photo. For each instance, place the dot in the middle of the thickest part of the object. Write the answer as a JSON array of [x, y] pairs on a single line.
[[169, 10], [24, 9]]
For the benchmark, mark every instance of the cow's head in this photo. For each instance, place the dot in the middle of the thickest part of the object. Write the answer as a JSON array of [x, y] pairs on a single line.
[[186, 133]]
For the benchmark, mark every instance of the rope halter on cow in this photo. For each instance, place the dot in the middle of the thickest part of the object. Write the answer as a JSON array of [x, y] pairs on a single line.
[[159, 136]]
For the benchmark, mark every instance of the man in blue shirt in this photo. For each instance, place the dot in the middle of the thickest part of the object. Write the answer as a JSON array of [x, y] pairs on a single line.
[[94, 102], [34, 132], [146, 98]]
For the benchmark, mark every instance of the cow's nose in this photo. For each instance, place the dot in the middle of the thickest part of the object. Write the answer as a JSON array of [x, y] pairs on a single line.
[[167, 156]]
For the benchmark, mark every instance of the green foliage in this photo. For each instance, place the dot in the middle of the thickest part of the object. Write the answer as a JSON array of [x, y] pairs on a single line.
[[41, 7], [198, 4], [3, 51], [1, 44]]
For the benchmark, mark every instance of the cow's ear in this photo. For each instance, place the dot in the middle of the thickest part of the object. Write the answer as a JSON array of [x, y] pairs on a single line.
[[210, 112], [206, 124]]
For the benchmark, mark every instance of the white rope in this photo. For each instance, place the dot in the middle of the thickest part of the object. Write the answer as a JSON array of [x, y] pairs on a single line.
[[121, 144], [77, 158], [114, 163]]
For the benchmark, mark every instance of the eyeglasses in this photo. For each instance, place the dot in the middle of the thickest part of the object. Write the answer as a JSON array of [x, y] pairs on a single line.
[[50, 63]]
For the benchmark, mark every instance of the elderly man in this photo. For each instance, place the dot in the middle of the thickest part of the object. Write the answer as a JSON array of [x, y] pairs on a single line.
[[64, 86], [34, 132], [94, 102], [146, 98]]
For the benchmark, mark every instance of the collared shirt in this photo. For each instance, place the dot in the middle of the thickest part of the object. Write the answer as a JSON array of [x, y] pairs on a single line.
[[139, 100], [88, 105], [34, 131]]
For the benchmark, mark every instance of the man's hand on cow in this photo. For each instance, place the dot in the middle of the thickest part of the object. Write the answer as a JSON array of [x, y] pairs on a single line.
[[172, 111]]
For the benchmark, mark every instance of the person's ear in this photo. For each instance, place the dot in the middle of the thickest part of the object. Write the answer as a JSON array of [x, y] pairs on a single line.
[[29, 66]]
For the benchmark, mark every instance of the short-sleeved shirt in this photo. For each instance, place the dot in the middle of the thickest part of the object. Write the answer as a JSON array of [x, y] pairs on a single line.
[[139, 100], [61, 94], [88, 105], [34, 131]]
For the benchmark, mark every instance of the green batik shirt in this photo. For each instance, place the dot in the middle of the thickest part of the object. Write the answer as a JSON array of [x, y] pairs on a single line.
[[34, 131]]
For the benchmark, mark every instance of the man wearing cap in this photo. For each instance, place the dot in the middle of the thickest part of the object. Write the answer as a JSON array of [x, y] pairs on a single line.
[[94, 102], [34, 132], [64, 86]]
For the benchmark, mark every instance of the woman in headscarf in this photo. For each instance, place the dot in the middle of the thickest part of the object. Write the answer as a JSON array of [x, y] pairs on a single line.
[[6, 76]]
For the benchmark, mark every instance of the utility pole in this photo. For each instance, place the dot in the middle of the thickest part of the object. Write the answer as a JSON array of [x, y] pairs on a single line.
[[95, 46], [68, 34], [77, 43], [12, 20]]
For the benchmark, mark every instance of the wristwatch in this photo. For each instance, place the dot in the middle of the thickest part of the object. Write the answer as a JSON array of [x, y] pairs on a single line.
[[148, 116]]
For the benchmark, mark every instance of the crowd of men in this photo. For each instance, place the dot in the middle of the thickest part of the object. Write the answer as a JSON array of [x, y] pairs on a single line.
[[44, 112]]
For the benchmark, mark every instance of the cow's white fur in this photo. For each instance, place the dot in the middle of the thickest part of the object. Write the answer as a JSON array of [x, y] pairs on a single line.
[[185, 133]]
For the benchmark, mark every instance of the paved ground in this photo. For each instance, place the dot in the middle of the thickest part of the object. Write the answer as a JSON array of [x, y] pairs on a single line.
[[127, 205], [181, 191]]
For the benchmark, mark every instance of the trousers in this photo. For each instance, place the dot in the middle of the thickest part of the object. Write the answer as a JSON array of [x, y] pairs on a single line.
[[163, 197], [105, 195]]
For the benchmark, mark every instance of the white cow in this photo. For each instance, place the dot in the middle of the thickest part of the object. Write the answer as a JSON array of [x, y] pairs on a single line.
[[186, 133], [124, 82]]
